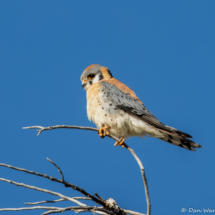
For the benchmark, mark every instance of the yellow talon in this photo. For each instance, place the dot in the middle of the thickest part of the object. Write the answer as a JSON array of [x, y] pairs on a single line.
[[103, 132], [120, 143]]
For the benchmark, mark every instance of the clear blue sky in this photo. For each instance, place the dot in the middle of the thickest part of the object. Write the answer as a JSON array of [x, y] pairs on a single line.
[[163, 50]]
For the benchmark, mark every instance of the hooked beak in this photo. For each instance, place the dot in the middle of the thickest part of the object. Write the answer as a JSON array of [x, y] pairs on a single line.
[[84, 84]]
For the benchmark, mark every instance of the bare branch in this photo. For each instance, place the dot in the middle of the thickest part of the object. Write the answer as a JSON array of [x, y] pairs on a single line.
[[82, 198], [58, 209], [43, 190], [113, 137], [54, 201], [83, 206], [133, 212], [98, 201], [96, 194], [110, 204], [82, 209], [30, 208], [59, 126], [57, 168], [46, 201], [143, 176]]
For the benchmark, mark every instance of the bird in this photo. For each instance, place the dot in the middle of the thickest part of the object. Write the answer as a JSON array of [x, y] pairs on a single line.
[[116, 110]]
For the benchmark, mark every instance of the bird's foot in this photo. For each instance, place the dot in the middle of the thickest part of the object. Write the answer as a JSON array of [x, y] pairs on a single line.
[[120, 142], [103, 131]]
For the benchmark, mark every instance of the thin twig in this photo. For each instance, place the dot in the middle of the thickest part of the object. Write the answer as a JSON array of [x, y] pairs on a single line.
[[82, 198], [84, 209], [95, 199], [50, 192], [133, 212], [45, 201], [143, 176], [96, 194], [113, 137], [63, 197], [99, 201], [43, 190], [59, 126], [59, 209], [30, 208], [69, 127], [54, 201], [57, 168], [78, 198]]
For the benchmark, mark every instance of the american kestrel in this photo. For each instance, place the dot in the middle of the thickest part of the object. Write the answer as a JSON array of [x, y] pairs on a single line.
[[116, 109]]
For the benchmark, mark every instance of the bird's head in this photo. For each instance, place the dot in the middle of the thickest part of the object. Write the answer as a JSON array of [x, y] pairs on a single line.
[[93, 74]]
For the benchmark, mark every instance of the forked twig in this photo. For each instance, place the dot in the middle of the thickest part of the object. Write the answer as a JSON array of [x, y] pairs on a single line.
[[59, 126], [67, 184], [43, 190], [111, 136], [62, 177], [109, 206]]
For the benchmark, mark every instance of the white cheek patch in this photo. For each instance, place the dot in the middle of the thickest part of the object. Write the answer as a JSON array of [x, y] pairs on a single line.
[[96, 79]]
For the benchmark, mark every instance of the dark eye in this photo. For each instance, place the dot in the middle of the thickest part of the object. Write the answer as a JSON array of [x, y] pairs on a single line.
[[90, 76]]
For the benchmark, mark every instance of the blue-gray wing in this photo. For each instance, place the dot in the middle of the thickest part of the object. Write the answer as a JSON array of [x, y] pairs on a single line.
[[114, 96]]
